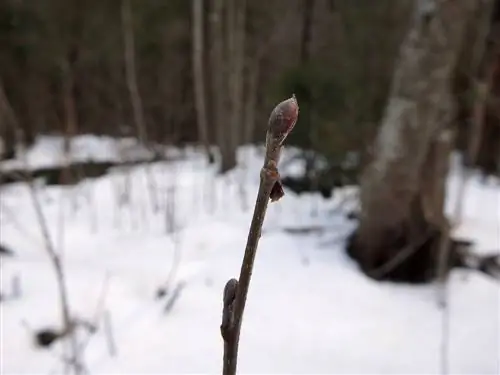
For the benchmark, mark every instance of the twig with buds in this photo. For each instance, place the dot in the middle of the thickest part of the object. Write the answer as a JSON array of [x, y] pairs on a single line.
[[281, 122]]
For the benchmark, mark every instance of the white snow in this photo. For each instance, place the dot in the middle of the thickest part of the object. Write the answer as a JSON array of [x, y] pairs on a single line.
[[309, 310], [48, 151]]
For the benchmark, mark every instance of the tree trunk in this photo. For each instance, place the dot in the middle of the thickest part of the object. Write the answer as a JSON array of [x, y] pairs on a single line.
[[218, 67], [236, 58], [402, 190], [70, 114], [227, 63], [130, 70], [474, 79], [305, 56], [253, 69], [8, 126], [199, 74]]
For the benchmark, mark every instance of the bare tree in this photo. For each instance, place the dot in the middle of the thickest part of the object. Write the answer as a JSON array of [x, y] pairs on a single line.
[[402, 204], [236, 14], [227, 61], [130, 69], [135, 97], [218, 89], [200, 92], [479, 70], [70, 116]]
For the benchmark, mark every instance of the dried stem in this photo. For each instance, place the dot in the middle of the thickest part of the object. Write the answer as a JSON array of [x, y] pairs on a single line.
[[281, 122], [55, 259], [75, 364]]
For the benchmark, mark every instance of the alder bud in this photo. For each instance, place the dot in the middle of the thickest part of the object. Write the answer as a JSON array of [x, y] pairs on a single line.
[[283, 119]]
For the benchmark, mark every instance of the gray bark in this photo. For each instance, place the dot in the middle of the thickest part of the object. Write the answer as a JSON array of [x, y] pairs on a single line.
[[420, 106]]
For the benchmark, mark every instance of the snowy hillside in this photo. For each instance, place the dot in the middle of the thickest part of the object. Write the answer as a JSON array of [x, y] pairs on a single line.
[[309, 309]]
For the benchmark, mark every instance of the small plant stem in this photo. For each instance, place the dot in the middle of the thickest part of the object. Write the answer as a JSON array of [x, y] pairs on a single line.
[[281, 122]]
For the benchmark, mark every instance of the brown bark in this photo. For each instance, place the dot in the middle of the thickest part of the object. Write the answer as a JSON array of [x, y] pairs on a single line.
[[402, 191], [281, 122]]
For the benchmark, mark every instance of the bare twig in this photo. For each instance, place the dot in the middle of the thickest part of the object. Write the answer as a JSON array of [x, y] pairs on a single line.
[[61, 281], [281, 122], [174, 296], [55, 258]]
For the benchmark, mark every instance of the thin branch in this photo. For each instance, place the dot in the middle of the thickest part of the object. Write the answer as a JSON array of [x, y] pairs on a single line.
[[68, 325], [281, 122], [61, 281]]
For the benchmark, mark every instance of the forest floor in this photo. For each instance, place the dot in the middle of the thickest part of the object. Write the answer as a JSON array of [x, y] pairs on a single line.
[[309, 310]]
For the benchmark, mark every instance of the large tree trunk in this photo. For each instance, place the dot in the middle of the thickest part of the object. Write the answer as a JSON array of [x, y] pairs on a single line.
[[402, 190]]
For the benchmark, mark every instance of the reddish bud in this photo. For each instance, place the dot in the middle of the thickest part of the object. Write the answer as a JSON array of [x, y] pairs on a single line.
[[277, 192], [283, 119]]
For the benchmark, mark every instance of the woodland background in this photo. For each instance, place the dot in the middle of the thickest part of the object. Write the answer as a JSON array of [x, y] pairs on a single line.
[[72, 67]]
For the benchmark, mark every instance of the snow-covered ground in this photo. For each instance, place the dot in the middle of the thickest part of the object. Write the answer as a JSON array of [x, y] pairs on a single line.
[[48, 151], [309, 309]]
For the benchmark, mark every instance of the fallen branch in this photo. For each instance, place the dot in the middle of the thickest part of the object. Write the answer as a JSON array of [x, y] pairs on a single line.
[[281, 122]]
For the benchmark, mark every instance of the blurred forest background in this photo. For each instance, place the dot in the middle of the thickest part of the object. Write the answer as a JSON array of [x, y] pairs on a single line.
[[208, 72], [181, 71]]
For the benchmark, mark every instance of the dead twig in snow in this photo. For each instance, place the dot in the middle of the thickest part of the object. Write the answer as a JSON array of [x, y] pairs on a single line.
[[55, 259], [171, 289], [174, 296], [281, 122]]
